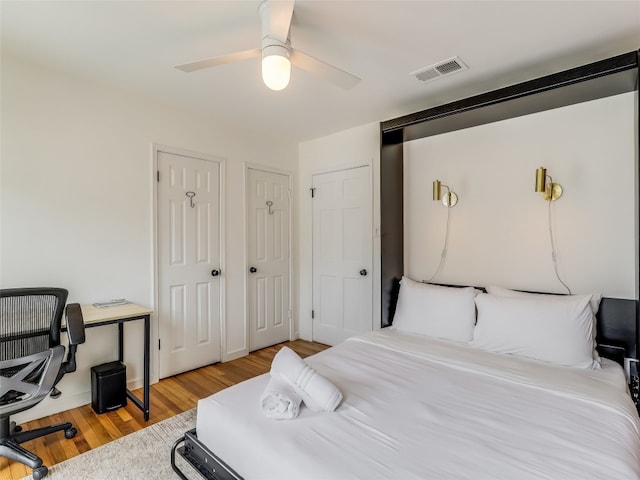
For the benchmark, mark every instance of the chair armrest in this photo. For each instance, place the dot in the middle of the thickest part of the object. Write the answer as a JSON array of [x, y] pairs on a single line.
[[75, 324]]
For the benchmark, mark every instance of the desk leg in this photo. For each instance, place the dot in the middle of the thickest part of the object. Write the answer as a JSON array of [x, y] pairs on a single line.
[[145, 404], [147, 355], [120, 342]]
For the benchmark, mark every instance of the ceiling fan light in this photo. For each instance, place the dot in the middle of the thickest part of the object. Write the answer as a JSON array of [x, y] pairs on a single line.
[[276, 67]]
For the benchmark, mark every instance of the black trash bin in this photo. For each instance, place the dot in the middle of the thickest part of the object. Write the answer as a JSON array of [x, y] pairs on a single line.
[[108, 386]]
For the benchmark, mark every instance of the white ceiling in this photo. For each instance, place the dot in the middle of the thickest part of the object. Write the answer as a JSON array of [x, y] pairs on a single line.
[[133, 45]]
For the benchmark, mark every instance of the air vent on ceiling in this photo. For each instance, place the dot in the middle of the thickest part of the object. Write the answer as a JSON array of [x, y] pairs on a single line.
[[440, 69]]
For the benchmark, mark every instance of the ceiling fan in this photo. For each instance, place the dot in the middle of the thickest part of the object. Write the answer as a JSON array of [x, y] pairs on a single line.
[[277, 53]]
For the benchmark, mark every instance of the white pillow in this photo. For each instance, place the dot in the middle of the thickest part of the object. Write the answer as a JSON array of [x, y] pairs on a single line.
[[594, 302], [506, 292], [443, 312], [557, 330]]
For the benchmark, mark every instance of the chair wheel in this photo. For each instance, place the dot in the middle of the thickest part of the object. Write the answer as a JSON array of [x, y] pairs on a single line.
[[40, 472], [17, 429], [70, 432]]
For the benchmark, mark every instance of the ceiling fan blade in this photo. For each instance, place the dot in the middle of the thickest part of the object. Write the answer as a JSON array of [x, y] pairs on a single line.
[[324, 70], [222, 59], [278, 18]]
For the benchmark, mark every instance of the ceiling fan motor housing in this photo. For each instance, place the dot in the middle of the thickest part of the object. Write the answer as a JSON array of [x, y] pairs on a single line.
[[271, 46]]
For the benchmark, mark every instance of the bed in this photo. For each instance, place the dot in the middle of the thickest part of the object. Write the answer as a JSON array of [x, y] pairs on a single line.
[[438, 404]]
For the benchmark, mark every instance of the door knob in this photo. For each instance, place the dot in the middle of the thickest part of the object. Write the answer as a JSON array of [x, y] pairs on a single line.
[[363, 272], [253, 269], [215, 273]]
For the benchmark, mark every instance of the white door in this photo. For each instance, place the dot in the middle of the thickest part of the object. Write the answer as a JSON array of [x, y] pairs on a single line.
[[268, 258], [188, 262], [342, 255]]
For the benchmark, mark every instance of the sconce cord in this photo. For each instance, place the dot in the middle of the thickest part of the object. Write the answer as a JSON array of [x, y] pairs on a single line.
[[443, 255], [554, 257]]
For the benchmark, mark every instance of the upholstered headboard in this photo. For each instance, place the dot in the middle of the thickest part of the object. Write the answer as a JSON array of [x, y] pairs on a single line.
[[617, 327]]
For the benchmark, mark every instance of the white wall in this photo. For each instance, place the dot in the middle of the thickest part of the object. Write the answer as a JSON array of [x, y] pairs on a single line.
[[498, 230], [355, 147], [76, 204]]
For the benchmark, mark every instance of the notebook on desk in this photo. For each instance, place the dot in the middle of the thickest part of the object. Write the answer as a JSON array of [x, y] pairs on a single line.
[[112, 303]]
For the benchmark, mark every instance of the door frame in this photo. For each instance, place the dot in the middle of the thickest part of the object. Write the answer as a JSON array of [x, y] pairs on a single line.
[[289, 175], [375, 234], [156, 149]]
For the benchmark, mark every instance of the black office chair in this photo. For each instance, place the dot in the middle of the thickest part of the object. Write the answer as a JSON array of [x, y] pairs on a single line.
[[32, 363]]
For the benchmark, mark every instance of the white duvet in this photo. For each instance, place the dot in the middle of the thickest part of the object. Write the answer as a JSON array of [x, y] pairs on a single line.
[[418, 408]]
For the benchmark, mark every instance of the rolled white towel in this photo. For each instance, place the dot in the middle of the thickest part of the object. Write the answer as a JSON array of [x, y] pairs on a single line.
[[280, 400], [316, 391]]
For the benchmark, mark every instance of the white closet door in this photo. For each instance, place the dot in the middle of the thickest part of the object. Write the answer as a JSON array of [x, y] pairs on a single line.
[[342, 255], [188, 263], [268, 257]]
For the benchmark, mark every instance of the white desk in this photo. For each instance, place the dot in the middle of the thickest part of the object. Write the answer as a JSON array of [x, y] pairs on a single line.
[[96, 317]]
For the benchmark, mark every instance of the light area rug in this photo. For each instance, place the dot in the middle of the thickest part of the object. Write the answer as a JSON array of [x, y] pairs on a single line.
[[145, 454]]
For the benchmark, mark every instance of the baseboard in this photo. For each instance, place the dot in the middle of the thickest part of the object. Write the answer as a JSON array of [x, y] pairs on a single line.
[[51, 406], [234, 355], [134, 384]]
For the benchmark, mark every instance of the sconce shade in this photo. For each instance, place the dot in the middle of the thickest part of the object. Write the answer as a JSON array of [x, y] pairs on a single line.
[[549, 190], [541, 179], [437, 190], [276, 66]]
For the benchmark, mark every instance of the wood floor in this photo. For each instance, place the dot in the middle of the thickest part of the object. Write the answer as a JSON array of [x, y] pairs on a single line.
[[168, 397]]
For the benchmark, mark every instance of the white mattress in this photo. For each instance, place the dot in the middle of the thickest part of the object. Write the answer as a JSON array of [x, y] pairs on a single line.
[[418, 408]]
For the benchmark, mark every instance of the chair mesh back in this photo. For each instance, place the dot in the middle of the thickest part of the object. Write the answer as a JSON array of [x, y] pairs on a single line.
[[25, 324]]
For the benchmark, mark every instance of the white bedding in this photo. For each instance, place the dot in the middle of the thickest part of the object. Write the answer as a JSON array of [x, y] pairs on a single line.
[[420, 408]]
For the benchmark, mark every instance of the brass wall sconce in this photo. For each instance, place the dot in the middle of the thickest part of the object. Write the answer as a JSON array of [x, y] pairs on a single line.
[[548, 190], [449, 199]]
